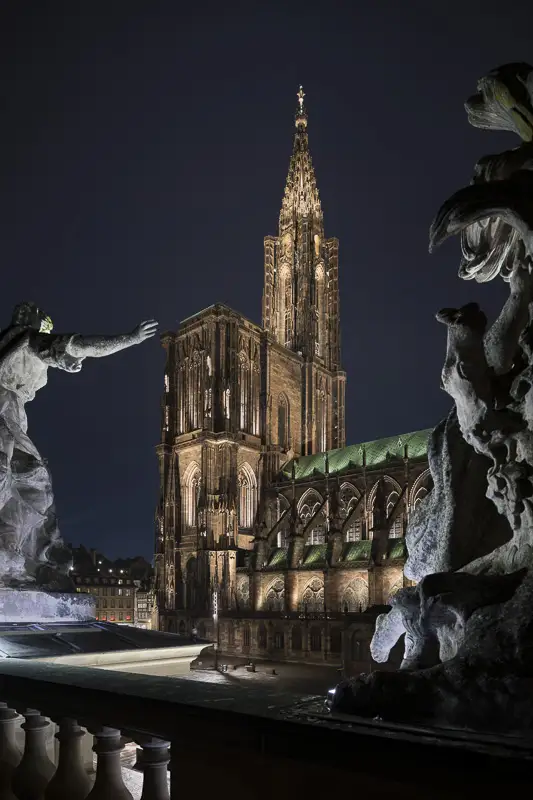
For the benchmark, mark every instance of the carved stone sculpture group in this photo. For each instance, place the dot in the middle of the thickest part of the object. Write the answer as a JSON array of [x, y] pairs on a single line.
[[468, 622]]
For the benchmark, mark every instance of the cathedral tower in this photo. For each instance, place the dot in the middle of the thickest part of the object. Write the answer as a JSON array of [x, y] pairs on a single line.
[[241, 400], [301, 297]]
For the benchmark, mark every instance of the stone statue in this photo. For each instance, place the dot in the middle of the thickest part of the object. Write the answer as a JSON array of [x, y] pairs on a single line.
[[32, 553], [468, 623]]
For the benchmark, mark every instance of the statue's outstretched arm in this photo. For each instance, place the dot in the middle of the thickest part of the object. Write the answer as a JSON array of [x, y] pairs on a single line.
[[100, 346], [501, 341]]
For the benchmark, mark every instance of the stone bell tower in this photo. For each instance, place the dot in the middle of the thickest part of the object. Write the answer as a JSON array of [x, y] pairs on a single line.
[[301, 297]]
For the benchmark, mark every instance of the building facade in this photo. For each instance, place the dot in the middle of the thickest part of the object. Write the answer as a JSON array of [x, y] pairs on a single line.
[[122, 589], [271, 535]]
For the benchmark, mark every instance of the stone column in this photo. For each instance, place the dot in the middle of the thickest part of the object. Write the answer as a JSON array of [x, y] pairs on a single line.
[[35, 769], [71, 779], [10, 755], [154, 762], [108, 783]]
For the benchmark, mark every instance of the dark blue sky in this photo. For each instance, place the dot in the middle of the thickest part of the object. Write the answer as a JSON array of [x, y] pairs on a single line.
[[144, 154]]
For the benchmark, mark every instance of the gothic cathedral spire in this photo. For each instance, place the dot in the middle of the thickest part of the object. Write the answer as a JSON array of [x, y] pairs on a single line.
[[301, 299], [301, 296]]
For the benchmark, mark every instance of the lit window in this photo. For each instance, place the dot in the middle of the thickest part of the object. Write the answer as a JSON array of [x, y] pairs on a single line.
[[167, 383], [192, 495], [247, 496]]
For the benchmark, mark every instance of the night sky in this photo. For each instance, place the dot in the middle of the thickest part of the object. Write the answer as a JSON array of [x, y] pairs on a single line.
[[144, 155]]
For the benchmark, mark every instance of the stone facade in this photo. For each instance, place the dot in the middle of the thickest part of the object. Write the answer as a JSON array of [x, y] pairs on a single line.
[[264, 513]]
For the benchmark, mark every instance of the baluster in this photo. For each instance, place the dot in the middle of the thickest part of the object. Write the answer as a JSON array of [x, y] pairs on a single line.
[[10, 755], [70, 780], [35, 770], [109, 784], [154, 763]]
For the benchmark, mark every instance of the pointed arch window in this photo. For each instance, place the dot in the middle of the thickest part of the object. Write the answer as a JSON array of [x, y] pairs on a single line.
[[396, 529], [419, 496], [348, 501], [312, 601], [354, 531], [247, 496], [192, 494], [320, 308], [275, 596], [287, 304], [244, 390], [355, 597], [195, 394], [282, 539], [243, 592], [308, 509], [256, 392], [321, 422], [283, 422], [181, 399]]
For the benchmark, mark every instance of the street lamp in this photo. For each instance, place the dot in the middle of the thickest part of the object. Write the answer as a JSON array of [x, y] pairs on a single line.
[[215, 623]]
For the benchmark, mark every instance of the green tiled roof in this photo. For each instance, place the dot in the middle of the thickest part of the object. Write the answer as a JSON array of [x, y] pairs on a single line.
[[357, 551], [278, 559], [314, 555], [375, 453], [397, 548]]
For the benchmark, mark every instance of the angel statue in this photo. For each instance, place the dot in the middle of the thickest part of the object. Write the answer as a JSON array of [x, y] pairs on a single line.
[[32, 553]]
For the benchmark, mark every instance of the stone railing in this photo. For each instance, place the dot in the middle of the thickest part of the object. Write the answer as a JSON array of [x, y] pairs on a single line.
[[226, 740]]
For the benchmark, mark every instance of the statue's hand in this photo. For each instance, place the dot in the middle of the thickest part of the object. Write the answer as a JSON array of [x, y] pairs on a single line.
[[144, 331]]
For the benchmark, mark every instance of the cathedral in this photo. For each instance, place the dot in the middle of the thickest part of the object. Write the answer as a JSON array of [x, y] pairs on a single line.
[[273, 538]]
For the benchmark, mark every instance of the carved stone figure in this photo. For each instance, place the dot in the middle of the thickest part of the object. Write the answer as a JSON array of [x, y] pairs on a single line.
[[31, 550], [468, 624]]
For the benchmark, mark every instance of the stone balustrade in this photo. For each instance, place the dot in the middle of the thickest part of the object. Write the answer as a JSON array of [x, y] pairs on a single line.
[[240, 741]]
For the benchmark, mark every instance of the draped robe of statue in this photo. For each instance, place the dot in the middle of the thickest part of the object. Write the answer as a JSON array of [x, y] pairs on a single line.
[[29, 536]]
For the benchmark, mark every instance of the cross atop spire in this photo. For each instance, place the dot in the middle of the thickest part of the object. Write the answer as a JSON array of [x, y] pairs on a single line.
[[301, 113]]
